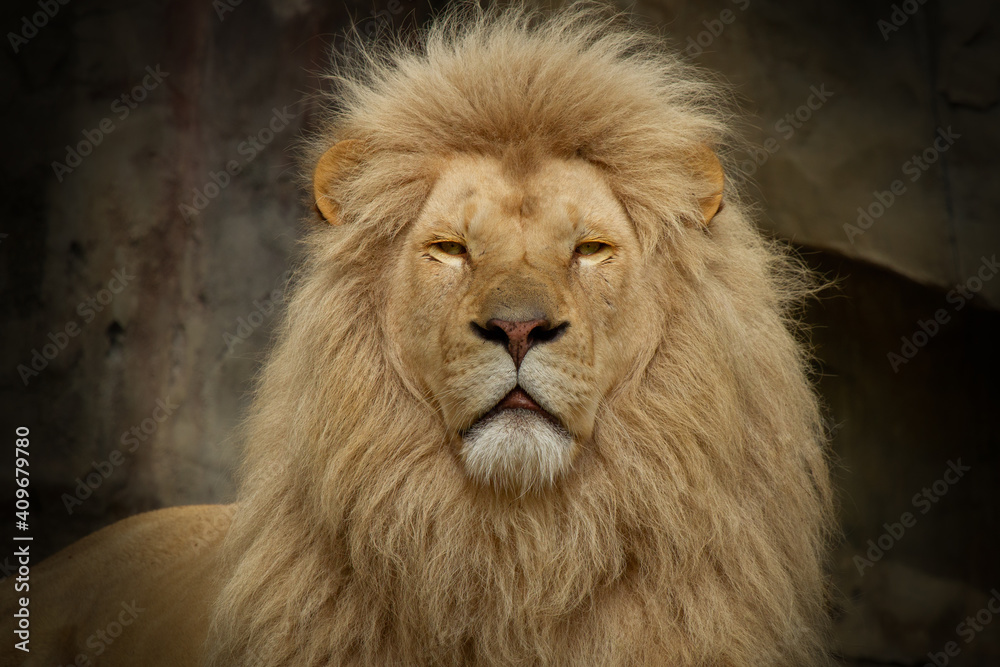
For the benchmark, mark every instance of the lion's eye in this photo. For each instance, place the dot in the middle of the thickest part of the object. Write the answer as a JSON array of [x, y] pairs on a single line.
[[590, 247], [451, 247]]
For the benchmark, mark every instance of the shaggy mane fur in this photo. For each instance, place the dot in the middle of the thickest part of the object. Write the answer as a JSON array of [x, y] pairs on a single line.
[[692, 533]]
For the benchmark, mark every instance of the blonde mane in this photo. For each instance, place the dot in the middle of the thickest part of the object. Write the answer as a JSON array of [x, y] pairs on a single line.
[[699, 514]]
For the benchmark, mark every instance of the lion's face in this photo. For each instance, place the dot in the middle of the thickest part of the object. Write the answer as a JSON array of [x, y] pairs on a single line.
[[515, 306]]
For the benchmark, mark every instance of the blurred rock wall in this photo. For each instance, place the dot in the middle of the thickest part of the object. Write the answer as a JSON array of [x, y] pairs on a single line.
[[876, 124], [151, 211]]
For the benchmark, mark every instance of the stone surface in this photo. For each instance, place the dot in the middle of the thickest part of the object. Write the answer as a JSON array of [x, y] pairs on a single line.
[[844, 107]]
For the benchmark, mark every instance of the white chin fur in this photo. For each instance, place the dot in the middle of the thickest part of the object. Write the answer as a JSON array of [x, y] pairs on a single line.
[[516, 450]]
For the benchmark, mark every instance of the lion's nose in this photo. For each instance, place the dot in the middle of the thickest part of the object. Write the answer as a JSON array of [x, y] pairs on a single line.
[[519, 337]]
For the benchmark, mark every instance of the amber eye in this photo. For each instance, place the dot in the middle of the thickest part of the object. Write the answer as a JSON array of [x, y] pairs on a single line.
[[590, 247], [451, 247]]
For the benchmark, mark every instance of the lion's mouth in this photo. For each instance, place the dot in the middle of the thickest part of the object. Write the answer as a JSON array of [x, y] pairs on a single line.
[[519, 399]]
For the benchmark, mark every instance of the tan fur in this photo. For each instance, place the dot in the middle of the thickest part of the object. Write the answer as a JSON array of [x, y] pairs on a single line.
[[138, 592], [688, 528], [676, 513]]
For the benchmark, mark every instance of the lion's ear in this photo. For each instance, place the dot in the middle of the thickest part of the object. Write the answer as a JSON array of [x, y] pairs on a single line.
[[706, 166], [331, 168]]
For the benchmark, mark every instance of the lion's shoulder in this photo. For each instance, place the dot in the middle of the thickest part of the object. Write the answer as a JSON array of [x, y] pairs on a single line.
[[135, 592]]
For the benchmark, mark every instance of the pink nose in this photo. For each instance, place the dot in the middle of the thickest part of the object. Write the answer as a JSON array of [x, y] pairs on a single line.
[[519, 337]]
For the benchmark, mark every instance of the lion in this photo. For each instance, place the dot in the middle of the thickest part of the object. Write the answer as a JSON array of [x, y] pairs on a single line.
[[539, 396]]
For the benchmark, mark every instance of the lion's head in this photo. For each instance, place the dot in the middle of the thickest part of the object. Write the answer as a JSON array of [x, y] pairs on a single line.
[[536, 399], [518, 298]]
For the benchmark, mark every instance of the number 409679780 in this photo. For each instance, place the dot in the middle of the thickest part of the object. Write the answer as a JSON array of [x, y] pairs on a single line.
[[21, 472]]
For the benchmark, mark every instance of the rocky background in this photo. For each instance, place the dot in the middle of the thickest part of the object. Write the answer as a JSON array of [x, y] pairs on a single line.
[[151, 211]]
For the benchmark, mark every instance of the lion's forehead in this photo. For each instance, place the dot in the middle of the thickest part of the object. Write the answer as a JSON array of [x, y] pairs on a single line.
[[477, 197]]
